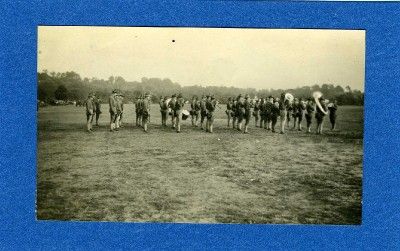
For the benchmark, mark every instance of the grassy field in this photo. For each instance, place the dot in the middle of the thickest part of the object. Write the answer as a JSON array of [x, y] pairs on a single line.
[[225, 177]]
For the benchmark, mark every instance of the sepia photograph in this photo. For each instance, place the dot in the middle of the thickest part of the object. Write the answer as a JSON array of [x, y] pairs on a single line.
[[200, 125]]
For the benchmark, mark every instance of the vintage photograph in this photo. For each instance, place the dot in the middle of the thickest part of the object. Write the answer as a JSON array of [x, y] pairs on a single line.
[[200, 125]]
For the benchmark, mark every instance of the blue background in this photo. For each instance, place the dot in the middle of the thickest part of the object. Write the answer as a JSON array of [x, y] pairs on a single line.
[[381, 196]]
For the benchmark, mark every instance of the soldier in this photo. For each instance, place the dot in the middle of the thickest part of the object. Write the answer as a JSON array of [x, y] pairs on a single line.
[[164, 111], [146, 102], [234, 112], [179, 104], [295, 111], [197, 109], [240, 111], [247, 112], [97, 103], [211, 106], [160, 103], [275, 112], [120, 110], [268, 112], [283, 108], [137, 110], [171, 106], [194, 113], [262, 113], [289, 112], [203, 110], [229, 109], [113, 109], [300, 113], [309, 113], [256, 112], [320, 114], [90, 110], [332, 114]]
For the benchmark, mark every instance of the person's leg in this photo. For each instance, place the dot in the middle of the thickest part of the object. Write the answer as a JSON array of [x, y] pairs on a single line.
[[97, 119], [246, 124], [173, 120], [229, 119], [211, 123], [233, 122], [87, 122], [273, 123], [283, 121], [196, 119], [178, 121], [300, 119], [321, 126], [111, 121]]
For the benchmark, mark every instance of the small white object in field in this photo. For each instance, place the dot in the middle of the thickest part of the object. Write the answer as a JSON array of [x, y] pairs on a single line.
[[219, 139]]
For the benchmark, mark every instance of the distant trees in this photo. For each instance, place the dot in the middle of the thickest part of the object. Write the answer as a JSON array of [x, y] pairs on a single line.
[[70, 86], [61, 93]]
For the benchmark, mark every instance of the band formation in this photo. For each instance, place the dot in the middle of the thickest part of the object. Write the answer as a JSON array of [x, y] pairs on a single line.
[[239, 111]]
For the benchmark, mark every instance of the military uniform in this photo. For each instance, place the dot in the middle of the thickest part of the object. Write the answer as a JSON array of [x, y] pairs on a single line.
[[268, 113], [247, 113], [90, 110], [275, 113], [229, 108], [319, 115], [113, 110], [256, 112], [194, 111], [178, 108], [97, 104], [171, 106], [309, 114], [283, 110], [145, 111], [164, 111], [211, 106], [203, 112], [240, 112], [234, 113], [332, 115], [120, 109]]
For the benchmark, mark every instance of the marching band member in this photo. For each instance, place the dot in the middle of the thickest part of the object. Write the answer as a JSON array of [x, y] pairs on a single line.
[[247, 112], [203, 110], [228, 111], [113, 109], [332, 114], [256, 112], [320, 113], [309, 113]]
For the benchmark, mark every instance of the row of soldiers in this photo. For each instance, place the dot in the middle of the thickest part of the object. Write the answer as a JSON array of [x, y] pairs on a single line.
[[174, 107], [266, 112], [239, 110]]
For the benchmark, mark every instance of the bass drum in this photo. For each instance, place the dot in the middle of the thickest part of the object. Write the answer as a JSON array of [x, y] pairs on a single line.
[[185, 114]]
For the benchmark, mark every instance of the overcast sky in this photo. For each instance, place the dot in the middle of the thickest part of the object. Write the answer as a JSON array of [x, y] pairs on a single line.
[[258, 58]]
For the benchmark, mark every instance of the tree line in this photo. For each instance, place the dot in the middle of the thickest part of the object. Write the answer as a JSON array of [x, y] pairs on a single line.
[[69, 86]]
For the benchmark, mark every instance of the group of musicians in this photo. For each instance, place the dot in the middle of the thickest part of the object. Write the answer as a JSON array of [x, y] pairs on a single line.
[[239, 111]]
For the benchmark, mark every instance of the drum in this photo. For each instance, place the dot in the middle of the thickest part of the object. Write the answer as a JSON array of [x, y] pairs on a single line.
[[185, 114]]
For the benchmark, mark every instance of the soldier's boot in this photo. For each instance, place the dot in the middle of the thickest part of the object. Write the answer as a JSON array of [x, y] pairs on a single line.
[[207, 126], [145, 127], [240, 126], [211, 128], [112, 127], [178, 128]]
